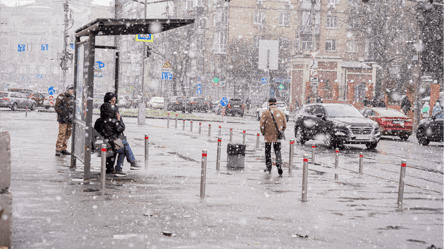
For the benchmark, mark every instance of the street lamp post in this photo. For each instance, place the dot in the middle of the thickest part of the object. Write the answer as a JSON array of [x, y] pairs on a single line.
[[142, 104]]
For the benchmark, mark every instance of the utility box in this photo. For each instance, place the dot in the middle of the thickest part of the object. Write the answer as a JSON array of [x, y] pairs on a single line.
[[236, 155]]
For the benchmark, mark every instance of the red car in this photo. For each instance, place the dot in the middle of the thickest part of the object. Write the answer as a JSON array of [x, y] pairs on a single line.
[[391, 122]]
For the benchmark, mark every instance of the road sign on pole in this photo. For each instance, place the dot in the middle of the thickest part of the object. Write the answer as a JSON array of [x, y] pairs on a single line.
[[313, 54], [167, 76], [51, 100], [216, 81], [224, 101], [144, 38], [199, 91], [313, 73], [264, 80], [51, 90], [199, 86]]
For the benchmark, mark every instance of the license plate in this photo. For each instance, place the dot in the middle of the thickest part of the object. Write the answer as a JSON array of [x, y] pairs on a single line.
[[362, 137], [235, 106], [401, 122]]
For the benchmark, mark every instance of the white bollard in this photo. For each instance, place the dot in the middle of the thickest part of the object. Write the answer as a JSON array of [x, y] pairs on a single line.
[[203, 174]]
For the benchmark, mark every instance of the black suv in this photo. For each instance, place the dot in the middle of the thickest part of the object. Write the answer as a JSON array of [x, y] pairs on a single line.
[[180, 103], [336, 124], [199, 104], [235, 106], [430, 129]]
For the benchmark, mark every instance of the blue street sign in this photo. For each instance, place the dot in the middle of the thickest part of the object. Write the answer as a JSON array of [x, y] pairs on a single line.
[[100, 64], [224, 101], [21, 47], [264, 80], [167, 76], [198, 79], [71, 46], [39, 76], [199, 86], [199, 91], [51, 90], [44, 47]]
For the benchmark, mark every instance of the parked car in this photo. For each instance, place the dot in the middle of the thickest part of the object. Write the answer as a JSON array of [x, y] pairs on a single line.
[[391, 122], [199, 104], [281, 105], [180, 104], [16, 100], [235, 106], [156, 103], [430, 130], [124, 102], [21, 90], [337, 124], [37, 97], [98, 100]]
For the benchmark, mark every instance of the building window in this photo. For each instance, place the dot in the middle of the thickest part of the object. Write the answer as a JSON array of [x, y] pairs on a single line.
[[284, 43], [190, 4], [332, 22], [353, 23], [330, 45], [307, 43], [219, 43], [369, 49], [259, 17], [284, 19], [224, 16], [257, 38], [352, 46], [333, 1], [200, 3]]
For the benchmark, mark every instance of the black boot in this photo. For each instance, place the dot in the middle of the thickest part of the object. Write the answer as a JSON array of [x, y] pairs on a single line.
[[280, 171], [57, 153], [135, 166], [64, 152]]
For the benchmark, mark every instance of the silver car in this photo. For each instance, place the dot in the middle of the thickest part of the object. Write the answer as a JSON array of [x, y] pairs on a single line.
[[281, 105], [16, 100]]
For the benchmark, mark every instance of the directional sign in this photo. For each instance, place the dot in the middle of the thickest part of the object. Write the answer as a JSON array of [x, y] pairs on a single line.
[[51, 100], [199, 91], [21, 47], [166, 64], [313, 73], [264, 80], [215, 80], [51, 90], [313, 54], [281, 87], [199, 86], [224, 101], [167, 76], [44, 47], [198, 79], [144, 38]]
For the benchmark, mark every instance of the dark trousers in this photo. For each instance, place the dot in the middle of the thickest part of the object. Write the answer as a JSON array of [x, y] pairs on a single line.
[[277, 151]]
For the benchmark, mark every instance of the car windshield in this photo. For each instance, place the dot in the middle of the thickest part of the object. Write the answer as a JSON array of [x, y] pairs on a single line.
[[390, 113], [158, 99], [342, 111], [3, 94]]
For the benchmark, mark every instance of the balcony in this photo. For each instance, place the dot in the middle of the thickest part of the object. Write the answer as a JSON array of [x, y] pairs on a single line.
[[307, 29]]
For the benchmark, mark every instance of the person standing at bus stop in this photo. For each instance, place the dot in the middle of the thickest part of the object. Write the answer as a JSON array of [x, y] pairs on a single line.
[[64, 107], [269, 120]]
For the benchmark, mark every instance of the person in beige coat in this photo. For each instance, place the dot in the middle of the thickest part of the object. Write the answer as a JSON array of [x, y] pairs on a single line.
[[270, 133]]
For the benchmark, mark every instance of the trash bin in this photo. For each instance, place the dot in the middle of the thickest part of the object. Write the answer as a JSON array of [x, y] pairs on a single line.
[[236, 155]]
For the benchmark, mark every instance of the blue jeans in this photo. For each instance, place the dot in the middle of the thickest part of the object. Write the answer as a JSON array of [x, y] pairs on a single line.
[[125, 151]]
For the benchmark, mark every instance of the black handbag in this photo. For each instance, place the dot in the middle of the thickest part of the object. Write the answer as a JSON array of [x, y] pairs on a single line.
[[281, 134]]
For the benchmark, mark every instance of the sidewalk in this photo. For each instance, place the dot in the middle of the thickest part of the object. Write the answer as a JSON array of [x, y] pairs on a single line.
[[53, 208]]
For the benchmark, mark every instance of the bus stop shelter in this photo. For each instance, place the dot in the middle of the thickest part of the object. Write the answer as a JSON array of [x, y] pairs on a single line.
[[84, 61]]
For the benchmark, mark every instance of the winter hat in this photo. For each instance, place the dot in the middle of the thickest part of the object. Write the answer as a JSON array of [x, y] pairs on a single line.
[[272, 100], [69, 87], [108, 97]]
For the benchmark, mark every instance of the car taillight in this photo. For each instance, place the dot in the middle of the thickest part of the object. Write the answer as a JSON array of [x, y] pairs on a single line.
[[7, 99], [206, 103], [229, 106], [177, 103], [46, 98], [243, 106]]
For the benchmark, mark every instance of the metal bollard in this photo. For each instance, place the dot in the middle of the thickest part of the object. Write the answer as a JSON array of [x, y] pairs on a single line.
[[290, 160], [183, 125], [175, 122], [26, 113], [257, 140], [401, 183], [203, 174], [103, 169], [209, 130], [304, 178], [336, 162], [243, 137], [168, 120], [361, 158], [231, 135], [146, 151], [200, 128], [313, 147], [220, 130], [219, 143], [191, 126]]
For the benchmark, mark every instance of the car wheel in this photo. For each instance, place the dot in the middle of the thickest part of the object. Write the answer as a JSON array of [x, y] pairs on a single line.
[[329, 142], [242, 114], [371, 146], [422, 138], [32, 107], [14, 107], [404, 137], [258, 117], [299, 137], [46, 107]]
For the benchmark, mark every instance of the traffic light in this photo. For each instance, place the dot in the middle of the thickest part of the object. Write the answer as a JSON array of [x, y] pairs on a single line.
[[148, 51]]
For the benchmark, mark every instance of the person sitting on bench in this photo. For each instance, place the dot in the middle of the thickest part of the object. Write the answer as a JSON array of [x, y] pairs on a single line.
[[113, 127]]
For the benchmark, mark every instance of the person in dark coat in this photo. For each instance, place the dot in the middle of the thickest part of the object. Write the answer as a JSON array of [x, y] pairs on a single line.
[[366, 102], [64, 107], [381, 103], [308, 100], [405, 105], [113, 128], [374, 102]]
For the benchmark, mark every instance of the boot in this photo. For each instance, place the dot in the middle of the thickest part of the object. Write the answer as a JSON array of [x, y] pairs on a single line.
[[64, 152], [135, 166], [119, 172], [57, 153], [280, 171]]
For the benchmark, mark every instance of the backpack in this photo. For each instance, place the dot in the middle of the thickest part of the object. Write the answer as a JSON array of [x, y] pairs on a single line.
[[98, 126]]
